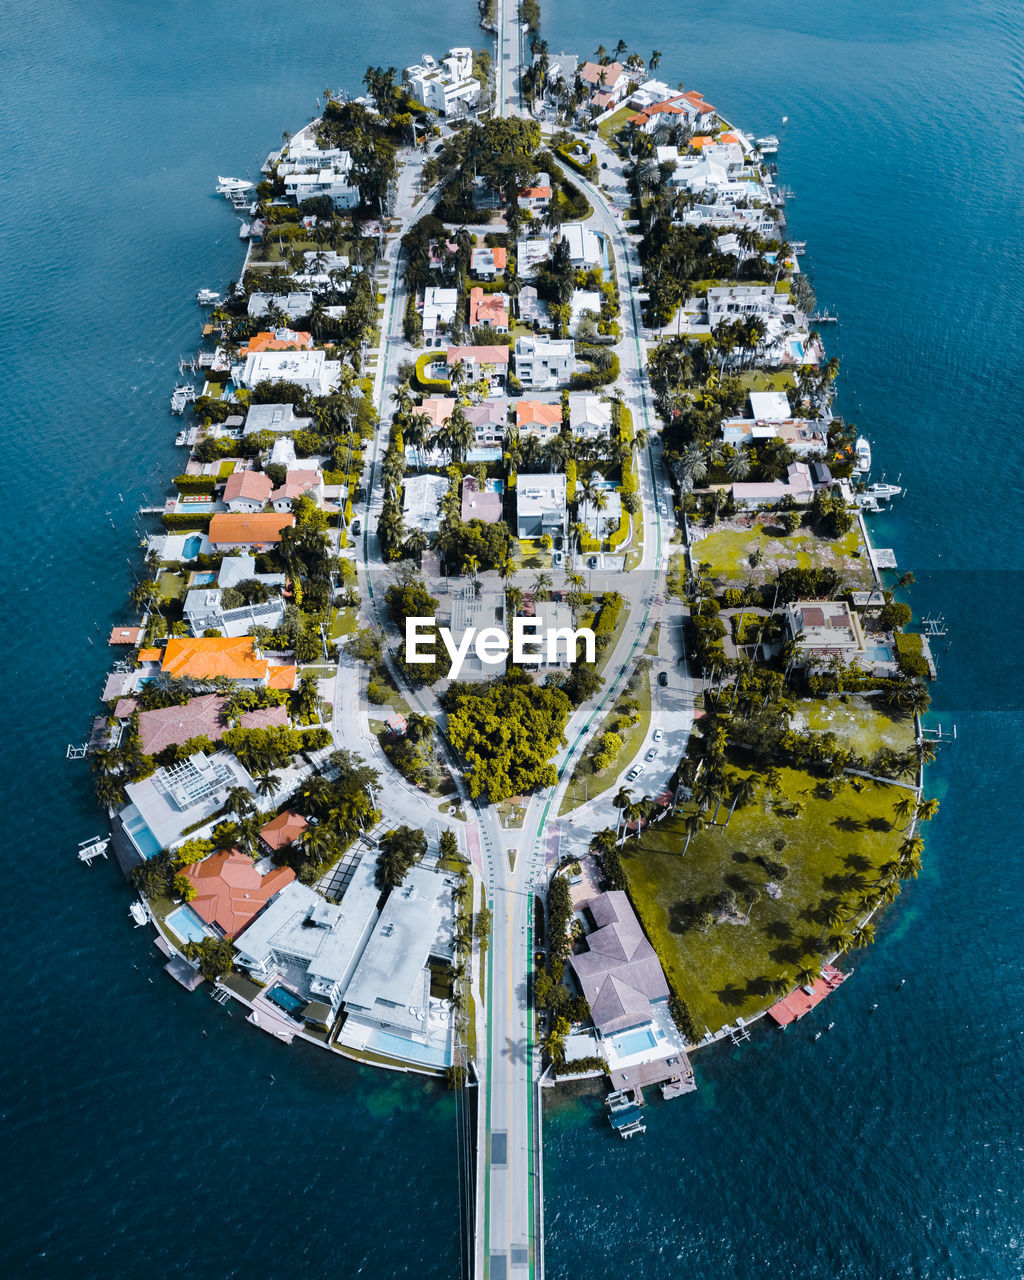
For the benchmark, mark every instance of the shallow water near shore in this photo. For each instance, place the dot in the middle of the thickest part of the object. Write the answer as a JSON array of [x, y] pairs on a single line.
[[888, 1147]]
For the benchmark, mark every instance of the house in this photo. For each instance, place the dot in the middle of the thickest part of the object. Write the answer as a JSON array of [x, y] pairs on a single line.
[[210, 658], [700, 114], [230, 892], [421, 502], [292, 305], [390, 988], [651, 93], [584, 246], [204, 612], [798, 485], [439, 307], [308, 369], [769, 406], [589, 416], [585, 302], [488, 310], [200, 717], [741, 301], [228, 530], [601, 522], [531, 251], [311, 944], [448, 89], [551, 616], [544, 362], [619, 973], [279, 340], [303, 152], [824, 629], [479, 362], [179, 798], [536, 198], [538, 418], [282, 831], [541, 505], [242, 568], [274, 417], [489, 422], [477, 612], [481, 504], [298, 484], [332, 181], [802, 435], [533, 310], [247, 491], [608, 83], [486, 263]]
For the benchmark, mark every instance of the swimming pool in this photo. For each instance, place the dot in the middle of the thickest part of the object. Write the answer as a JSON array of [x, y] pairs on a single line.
[[187, 925], [203, 579], [191, 547], [796, 348], [286, 1000], [410, 1050], [140, 835], [878, 653], [633, 1042]]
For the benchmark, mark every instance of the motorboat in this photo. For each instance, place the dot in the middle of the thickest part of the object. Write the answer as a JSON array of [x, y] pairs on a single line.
[[768, 145], [233, 186], [208, 297], [883, 492], [862, 451]]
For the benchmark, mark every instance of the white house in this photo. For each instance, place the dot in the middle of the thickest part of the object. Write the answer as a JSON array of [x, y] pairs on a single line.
[[531, 251], [544, 362], [292, 305], [476, 612], [488, 261], [247, 491], [421, 503], [274, 417], [298, 484], [600, 522], [769, 406], [438, 310], [589, 416], [824, 629], [448, 89], [323, 182], [536, 198], [584, 302], [309, 369], [541, 505], [204, 612], [584, 246]]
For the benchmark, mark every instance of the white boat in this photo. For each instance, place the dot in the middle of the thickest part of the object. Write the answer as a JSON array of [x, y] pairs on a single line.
[[883, 492], [207, 297], [769, 145], [862, 451], [233, 186], [139, 914], [244, 230]]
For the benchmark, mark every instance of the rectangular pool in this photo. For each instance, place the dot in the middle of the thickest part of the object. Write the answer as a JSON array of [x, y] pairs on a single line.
[[286, 1000], [187, 925], [631, 1042], [878, 653]]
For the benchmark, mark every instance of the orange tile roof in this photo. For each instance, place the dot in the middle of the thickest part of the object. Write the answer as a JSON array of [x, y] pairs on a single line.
[[728, 137], [207, 657], [280, 340], [437, 408], [478, 355], [695, 100], [499, 255], [530, 411], [282, 677], [125, 635], [536, 193], [484, 307], [254, 485], [590, 72], [149, 655], [243, 530], [230, 892], [283, 830], [702, 140]]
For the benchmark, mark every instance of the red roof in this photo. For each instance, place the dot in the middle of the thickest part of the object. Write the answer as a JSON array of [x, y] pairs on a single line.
[[253, 485], [125, 635], [802, 1000], [283, 830], [476, 355], [230, 891]]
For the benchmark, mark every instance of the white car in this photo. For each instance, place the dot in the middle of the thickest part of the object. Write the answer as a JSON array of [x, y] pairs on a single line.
[[659, 734], [651, 754], [635, 772]]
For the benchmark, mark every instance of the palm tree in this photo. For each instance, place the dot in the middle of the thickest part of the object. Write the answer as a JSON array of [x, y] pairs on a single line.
[[743, 794], [738, 466], [655, 60], [508, 569], [240, 802], [471, 565], [807, 977], [267, 783], [903, 808], [927, 810], [695, 822], [542, 586]]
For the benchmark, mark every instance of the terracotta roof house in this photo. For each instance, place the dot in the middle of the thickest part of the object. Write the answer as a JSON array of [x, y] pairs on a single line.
[[199, 717], [205, 658], [280, 340], [487, 262], [282, 677], [247, 491], [437, 408], [230, 891], [283, 830], [591, 73], [477, 505], [477, 359], [230, 529], [296, 484], [487, 310], [619, 973], [538, 418]]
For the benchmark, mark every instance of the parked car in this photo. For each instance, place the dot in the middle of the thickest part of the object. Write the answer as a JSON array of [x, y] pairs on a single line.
[[356, 526], [593, 562], [557, 558], [651, 754], [663, 678], [635, 772], [659, 734]]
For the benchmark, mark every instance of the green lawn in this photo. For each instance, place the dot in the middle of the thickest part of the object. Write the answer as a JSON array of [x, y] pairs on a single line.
[[727, 546], [757, 380], [859, 721], [832, 851], [608, 128], [343, 623], [171, 586], [586, 785]]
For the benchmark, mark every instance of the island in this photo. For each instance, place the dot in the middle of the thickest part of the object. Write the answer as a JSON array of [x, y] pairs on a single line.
[[519, 346]]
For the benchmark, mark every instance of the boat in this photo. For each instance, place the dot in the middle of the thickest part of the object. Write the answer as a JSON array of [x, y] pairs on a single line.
[[233, 186], [139, 914], [208, 297], [883, 492], [183, 394], [768, 145], [624, 1113], [244, 230], [862, 450], [94, 847]]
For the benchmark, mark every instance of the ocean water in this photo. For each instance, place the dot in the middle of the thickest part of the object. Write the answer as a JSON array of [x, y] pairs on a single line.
[[890, 1147]]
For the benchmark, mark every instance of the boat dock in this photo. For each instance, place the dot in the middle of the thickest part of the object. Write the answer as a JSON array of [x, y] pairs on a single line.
[[96, 847], [793, 1007]]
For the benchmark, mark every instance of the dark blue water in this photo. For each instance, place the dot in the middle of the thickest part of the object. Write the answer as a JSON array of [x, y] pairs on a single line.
[[890, 1147]]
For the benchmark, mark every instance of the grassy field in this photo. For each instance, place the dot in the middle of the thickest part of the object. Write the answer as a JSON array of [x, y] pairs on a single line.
[[585, 785], [758, 380], [343, 623], [832, 849], [859, 722], [608, 128], [170, 585], [727, 546]]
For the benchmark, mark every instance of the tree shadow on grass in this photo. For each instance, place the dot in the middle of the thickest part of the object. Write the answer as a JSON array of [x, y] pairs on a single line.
[[848, 823], [878, 823], [732, 995], [740, 856], [736, 882], [843, 884], [780, 930], [760, 986], [788, 954], [857, 862]]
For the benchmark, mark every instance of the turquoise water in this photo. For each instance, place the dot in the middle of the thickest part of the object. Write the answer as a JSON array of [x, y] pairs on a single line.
[[888, 1148], [191, 547], [285, 999], [187, 925], [633, 1042]]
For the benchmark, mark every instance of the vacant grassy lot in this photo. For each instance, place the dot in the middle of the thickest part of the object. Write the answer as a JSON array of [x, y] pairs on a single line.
[[860, 722], [832, 850], [728, 546]]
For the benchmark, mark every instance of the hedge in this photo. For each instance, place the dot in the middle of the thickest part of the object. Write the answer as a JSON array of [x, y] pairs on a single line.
[[426, 383], [179, 520], [570, 479], [195, 484], [910, 654], [616, 539]]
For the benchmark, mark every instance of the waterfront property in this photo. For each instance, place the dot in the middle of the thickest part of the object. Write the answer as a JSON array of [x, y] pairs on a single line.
[[230, 892]]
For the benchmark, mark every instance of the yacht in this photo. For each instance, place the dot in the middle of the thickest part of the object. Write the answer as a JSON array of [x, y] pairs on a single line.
[[883, 492], [207, 297], [768, 145], [863, 454], [233, 186]]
